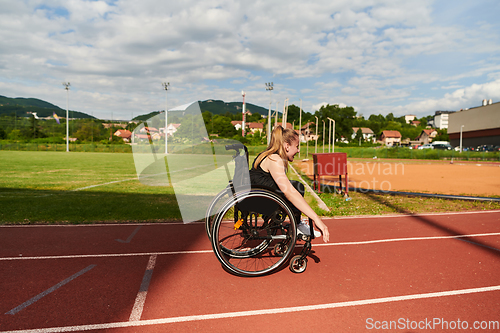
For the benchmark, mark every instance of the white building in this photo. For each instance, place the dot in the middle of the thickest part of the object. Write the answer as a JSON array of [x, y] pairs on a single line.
[[171, 129], [409, 118], [441, 119], [368, 134]]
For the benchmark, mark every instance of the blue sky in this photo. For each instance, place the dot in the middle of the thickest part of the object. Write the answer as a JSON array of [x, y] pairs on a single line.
[[404, 57]]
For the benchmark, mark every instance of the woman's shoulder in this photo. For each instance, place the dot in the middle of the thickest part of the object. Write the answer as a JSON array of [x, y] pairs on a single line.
[[274, 160]]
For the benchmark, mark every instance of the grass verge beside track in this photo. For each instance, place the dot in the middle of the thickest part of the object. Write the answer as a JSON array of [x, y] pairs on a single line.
[[74, 188], [380, 203]]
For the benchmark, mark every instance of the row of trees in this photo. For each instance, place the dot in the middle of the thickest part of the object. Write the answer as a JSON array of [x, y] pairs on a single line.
[[92, 130], [38, 130]]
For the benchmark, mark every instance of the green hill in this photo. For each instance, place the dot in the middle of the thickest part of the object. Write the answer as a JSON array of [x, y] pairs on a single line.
[[217, 107], [145, 117], [23, 107], [221, 107]]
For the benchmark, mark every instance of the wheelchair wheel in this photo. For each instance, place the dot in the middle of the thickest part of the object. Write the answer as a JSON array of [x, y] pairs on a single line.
[[298, 264], [216, 204], [257, 240]]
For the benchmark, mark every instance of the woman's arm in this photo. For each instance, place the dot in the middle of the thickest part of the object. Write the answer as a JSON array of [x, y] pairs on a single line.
[[277, 170]]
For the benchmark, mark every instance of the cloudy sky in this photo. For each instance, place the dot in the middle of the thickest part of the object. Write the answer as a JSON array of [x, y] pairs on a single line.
[[379, 56]]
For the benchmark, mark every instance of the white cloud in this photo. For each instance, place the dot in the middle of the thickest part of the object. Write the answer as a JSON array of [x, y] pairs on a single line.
[[365, 53]]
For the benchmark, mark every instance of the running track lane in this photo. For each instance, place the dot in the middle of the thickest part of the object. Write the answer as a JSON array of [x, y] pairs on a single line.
[[371, 261]]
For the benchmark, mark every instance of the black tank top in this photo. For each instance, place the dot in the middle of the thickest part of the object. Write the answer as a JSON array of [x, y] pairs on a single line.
[[261, 178]]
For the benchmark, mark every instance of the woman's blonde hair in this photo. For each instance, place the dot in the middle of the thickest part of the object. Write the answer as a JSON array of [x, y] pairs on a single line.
[[279, 136]]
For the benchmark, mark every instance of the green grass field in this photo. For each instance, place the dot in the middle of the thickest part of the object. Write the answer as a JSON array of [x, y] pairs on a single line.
[[50, 187], [78, 187]]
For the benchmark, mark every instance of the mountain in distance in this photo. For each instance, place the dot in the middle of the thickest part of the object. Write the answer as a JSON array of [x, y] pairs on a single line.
[[216, 107], [27, 102], [221, 107], [24, 107]]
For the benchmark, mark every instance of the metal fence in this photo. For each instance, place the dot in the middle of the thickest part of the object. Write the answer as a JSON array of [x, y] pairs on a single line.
[[62, 147], [352, 152]]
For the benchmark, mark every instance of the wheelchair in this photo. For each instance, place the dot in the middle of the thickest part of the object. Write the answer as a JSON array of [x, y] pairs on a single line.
[[253, 230]]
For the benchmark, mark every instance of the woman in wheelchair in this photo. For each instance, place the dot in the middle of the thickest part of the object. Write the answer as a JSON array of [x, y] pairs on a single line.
[[269, 170]]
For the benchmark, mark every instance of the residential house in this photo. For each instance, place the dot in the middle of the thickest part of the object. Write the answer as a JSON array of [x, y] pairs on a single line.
[[108, 125], [391, 138], [307, 132], [255, 127], [124, 134], [367, 133], [250, 126], [147, 133], [237, 124], [426, 136], [415, 123], [409, 118], [172, 128]]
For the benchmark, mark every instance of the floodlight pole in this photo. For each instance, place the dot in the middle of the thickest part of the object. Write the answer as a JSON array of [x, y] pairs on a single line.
[[269, 87], [166, 85], [300, 125], [243, 118], [316, 143], [66, 86]]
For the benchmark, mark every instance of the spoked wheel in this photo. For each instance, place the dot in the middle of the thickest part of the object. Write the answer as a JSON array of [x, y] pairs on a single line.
[[216, 204], [298, 264], [245, 241]]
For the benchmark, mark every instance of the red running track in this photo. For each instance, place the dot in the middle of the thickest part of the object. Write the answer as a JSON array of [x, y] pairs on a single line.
[[404, 273]]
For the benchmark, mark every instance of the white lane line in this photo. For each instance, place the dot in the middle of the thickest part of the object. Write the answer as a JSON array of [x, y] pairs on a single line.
[[261, 312], [129, 237], [360, 217], [409, 239], [143, 290], [48, 291], [412, 215], [103, 184], [106, 255], [211, 251]]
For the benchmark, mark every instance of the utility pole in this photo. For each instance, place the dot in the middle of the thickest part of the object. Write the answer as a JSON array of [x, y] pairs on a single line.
[[66, 86], [316, 143]]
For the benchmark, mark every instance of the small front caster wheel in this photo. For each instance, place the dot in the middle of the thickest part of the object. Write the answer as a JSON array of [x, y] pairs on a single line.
[[298, 265]]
